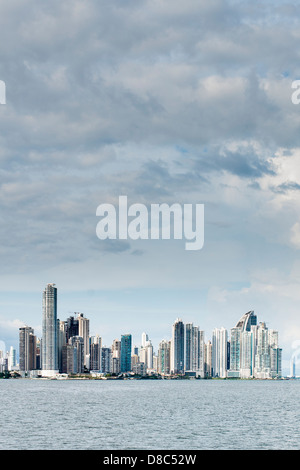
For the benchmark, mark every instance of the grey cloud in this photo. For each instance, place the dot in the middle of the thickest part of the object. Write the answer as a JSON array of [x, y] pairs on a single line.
[[286, 186]]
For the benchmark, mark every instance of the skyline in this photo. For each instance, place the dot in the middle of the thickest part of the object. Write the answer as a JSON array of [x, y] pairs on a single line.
[[248, 349], [108, 330], [161, 102]]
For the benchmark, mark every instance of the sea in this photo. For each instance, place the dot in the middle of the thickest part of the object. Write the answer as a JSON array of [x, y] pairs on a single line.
[[38, 414]]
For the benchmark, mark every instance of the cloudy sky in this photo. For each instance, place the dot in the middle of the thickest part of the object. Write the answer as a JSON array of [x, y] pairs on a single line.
[[162, 101]]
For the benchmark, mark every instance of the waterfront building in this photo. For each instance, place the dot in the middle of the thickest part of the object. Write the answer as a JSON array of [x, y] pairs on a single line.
[[139, 368], [105, 360], [163, 359], [50, 331], [69, 359], [276, 362], [262, 368], [84, 332], [219, 352], [95, 353], [208, 359], [12, 359], [194, 350], [78, 344], [126, 345], [146, 353], [177, 347], [61, 341], [116, 356], [235, 349], [27, 349]]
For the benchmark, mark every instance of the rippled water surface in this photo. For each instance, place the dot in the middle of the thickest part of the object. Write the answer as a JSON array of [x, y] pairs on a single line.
[[137, 414]]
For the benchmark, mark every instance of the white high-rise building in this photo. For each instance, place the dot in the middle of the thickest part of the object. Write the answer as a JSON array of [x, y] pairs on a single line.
[[84, 332], [262, 369], [12, 358], [219, 352], [145, 338]]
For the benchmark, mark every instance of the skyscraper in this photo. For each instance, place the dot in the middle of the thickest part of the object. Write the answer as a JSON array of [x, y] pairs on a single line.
[[219, 352], [78, 344], [177, 347], [164, 350], [27, 349], [84, 332], [95, 353], [116, 356], [50, 331], [194, 350], [126, 353]]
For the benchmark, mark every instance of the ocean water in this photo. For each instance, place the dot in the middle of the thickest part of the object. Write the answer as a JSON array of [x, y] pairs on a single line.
[[145, 414]]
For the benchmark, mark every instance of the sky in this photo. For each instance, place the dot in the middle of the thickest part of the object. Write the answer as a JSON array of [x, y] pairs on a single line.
[[163, 102]]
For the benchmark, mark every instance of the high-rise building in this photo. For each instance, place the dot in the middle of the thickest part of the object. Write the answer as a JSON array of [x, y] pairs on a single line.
[[27, 349], [69, 359], [262, 357], [146, 352], [95, 353], [177, 347], [12, 358], [247, 353], [246, 321], [78, 344], [50, 331], [194, 350], [163, 360], [242, 346], [219, 352], [72, 327], [235, 350], [105, 357], [84, 332], [116, 357], [208, 359], [61, 341], [126, 346], [145, 338]]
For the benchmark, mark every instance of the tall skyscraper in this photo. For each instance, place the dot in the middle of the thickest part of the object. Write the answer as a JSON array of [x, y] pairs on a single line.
[[78, 344], [163, 361], [144, 339], [194, 350], [246, 321], [126, 353], [12, 358], [116, 356], [27, 349], [69, 359], [219, 352], [208, 359], [50, 331], [177, 347], [95, 353], [84, 332], [235, 350]]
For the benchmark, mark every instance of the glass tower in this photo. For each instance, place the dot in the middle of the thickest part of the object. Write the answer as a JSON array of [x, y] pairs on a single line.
[[178, 347], [50, 330], [125, 353]]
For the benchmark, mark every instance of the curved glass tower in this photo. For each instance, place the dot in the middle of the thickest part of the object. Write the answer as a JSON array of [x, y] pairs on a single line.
[[246, 321]]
